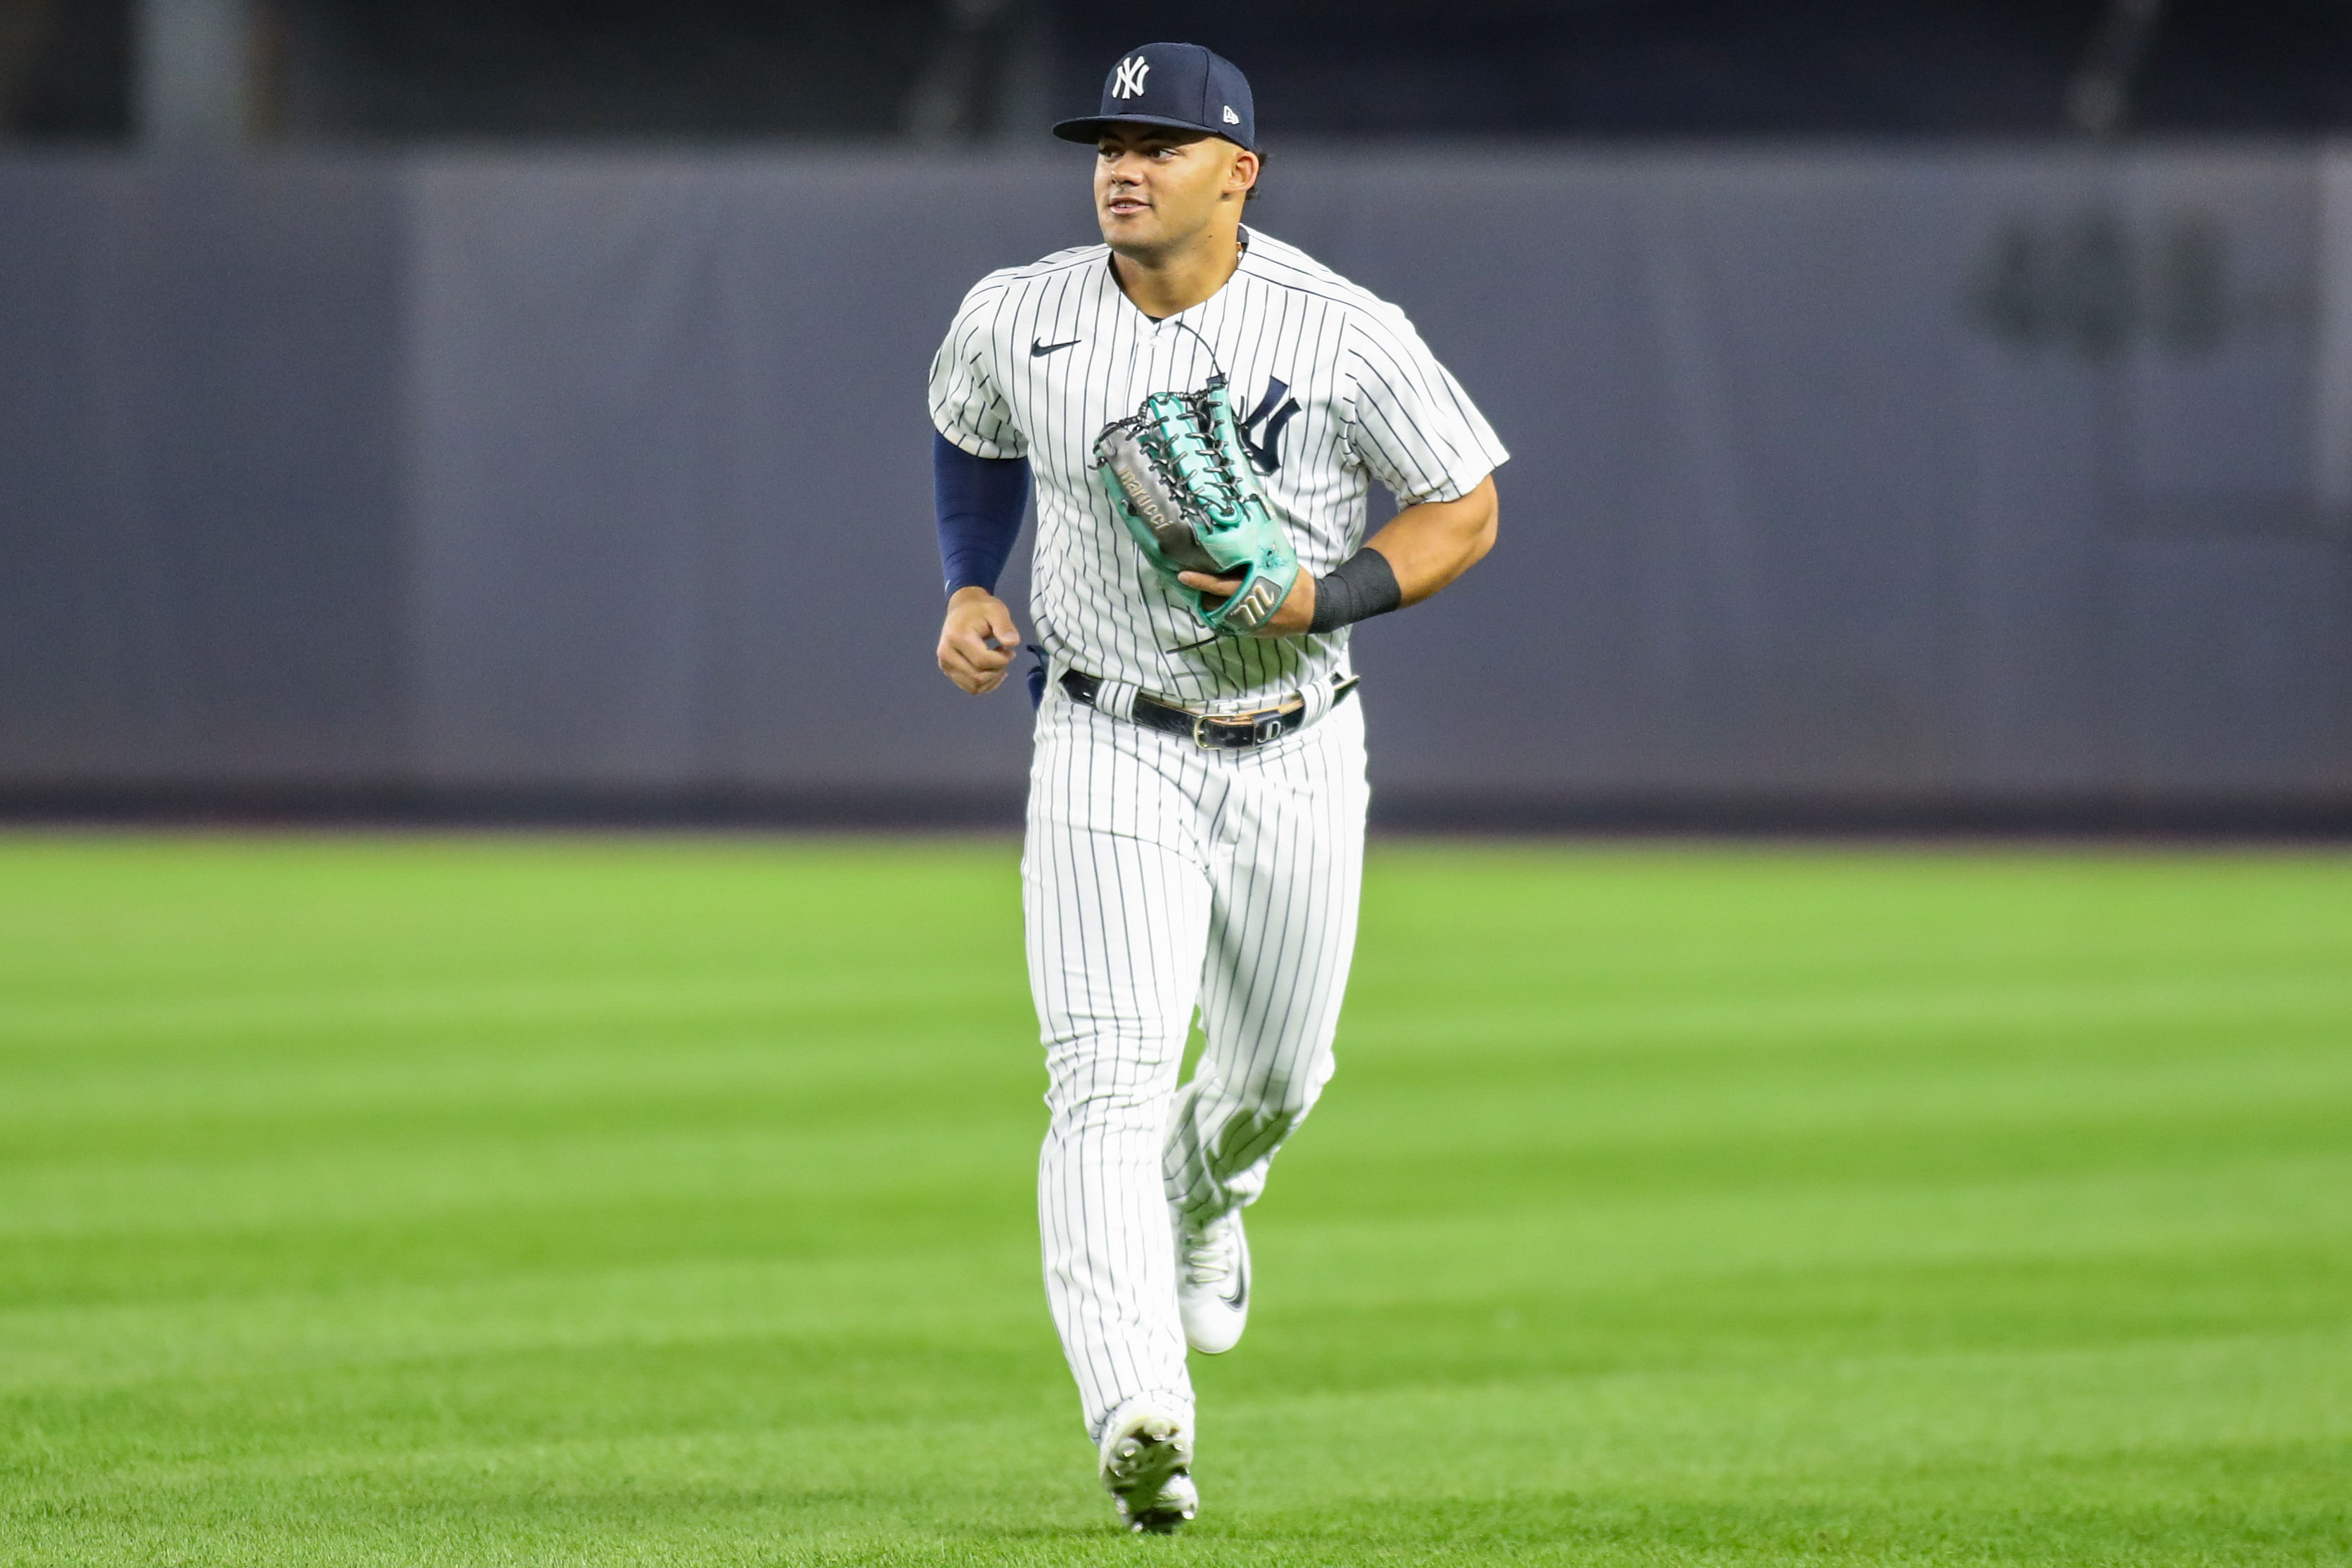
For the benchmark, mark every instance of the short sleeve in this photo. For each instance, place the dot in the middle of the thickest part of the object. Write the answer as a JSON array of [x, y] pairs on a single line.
[[1410, 423], [967, 406]]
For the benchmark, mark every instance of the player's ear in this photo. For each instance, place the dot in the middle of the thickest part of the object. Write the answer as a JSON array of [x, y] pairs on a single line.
[[1243, 175]]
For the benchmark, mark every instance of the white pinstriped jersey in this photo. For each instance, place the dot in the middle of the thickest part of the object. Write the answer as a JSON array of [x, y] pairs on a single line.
[[1335, 388]]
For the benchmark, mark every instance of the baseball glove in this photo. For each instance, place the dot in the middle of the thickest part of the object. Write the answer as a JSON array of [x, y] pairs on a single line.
[[1177, 476]]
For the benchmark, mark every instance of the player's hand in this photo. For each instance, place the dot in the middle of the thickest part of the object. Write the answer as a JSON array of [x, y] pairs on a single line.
[[979, 641], [1298, 612]]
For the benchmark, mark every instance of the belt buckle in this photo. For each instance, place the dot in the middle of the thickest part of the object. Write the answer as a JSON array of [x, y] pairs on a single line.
[[1264, 724]]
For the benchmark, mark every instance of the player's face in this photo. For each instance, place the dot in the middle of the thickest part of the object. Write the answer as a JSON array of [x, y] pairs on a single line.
[[1156, 188]]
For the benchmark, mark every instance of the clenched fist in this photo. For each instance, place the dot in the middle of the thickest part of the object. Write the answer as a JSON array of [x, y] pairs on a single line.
[[979, 642]]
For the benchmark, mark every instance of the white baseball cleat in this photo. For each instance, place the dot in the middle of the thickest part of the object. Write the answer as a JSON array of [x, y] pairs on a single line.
[[1147, 1468], [1212, 1282]]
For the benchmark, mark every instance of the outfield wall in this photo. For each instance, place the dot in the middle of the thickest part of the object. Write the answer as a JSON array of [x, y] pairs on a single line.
[[1856, 479]]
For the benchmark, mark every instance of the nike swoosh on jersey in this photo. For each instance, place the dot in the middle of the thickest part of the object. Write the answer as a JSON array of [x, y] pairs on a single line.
[[1039, 351]]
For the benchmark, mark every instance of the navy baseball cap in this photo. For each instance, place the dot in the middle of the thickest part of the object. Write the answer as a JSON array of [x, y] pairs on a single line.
[[1174, 84]]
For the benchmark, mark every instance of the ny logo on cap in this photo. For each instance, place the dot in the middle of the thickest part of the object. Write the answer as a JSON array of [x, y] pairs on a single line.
[[1128, 83]]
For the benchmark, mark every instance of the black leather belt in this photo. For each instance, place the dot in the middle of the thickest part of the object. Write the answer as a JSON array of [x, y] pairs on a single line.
[[1211, 732]]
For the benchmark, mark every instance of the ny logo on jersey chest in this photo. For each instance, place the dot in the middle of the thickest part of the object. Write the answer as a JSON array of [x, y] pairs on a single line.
[[1275, 410]]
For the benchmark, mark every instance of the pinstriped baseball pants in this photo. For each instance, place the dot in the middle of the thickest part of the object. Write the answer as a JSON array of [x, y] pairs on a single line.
[[1159, 877]]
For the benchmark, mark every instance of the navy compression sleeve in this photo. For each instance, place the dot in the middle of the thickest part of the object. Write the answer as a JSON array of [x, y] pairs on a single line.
[[980, 502]]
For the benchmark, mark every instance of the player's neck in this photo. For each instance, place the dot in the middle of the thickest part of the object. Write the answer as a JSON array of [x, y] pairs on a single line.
[[1165, 285]]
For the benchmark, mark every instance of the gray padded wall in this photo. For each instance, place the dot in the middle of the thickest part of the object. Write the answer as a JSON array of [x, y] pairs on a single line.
[[1799, 508], [1965, 476], [200, 456], [673, 505]]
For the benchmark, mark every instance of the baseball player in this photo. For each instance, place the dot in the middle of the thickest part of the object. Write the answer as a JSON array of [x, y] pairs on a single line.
[[1196, 805]]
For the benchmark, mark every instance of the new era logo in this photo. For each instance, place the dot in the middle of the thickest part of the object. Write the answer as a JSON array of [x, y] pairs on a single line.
[[1128, 80], [1231, 118]]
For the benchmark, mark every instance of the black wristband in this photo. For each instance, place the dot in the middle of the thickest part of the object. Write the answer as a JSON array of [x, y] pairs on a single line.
[[1363, 587]]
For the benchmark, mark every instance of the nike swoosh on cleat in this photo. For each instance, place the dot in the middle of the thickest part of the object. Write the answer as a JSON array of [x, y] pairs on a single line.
[[1039, 351]]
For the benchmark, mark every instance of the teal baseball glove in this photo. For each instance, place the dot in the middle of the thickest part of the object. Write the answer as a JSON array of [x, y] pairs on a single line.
[[1176, 474]]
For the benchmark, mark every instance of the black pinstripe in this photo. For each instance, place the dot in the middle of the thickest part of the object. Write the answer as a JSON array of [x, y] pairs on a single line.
[[1374, 404], [1159, 877]]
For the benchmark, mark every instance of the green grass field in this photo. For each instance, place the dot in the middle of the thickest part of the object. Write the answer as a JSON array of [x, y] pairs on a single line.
[[481, 1201]]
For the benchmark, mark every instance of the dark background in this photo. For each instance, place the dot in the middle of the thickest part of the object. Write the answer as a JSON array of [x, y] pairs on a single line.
[[1932, 414], [1392, 69]]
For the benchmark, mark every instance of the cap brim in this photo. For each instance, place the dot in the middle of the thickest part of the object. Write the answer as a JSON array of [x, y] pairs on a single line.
[[1090, 128]]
